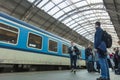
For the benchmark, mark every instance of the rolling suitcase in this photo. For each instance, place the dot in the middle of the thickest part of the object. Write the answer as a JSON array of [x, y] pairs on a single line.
[[90, 66]]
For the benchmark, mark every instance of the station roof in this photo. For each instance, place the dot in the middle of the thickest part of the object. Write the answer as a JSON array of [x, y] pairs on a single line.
[[113, 9], [71, 19], [80, 15]]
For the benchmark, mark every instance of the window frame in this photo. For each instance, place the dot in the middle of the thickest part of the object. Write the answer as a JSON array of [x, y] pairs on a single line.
[[62, 48], [37, 35], [11, 25], [49, 45]]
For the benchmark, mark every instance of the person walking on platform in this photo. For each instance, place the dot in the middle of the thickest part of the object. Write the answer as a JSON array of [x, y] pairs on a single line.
[[73, 51], [100, 46]]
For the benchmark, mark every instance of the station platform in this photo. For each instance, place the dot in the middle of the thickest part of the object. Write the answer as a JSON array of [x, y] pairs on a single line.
[[55, 75]]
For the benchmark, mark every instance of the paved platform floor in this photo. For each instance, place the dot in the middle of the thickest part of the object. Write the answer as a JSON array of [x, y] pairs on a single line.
[[54, 75]]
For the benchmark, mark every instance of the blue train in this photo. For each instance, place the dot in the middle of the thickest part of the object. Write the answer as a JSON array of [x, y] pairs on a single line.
[[24, 46]]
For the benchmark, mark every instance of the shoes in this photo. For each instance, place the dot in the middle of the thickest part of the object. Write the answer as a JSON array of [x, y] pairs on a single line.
[[100, 78], [98, 71], [108, 79], [95, 71], [72, 70]]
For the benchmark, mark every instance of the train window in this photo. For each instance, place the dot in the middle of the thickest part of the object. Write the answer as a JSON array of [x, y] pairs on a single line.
[[65, 49], [35, 41], [52, 46], [8, 34]]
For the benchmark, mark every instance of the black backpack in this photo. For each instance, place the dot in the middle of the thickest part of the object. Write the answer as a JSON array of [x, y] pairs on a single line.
[[107, 39]]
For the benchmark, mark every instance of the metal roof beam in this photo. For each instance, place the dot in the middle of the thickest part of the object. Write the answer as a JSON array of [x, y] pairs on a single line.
[[81, 7], [80, 12], [84, 15]]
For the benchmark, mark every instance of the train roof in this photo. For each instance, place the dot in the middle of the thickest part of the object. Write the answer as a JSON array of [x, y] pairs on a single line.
[[30, 25]]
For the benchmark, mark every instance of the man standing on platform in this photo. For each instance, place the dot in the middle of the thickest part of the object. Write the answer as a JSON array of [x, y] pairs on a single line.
[[100, 46]]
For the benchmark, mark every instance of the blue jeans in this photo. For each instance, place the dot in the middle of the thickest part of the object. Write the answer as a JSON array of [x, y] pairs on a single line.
[[104, 67], [73, 60]]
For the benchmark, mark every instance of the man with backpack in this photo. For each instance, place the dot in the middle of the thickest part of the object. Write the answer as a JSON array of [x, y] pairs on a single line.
[[101, 47], [74, 52]]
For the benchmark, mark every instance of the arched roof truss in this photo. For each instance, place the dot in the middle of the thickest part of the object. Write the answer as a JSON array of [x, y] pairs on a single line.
[[79, 15]]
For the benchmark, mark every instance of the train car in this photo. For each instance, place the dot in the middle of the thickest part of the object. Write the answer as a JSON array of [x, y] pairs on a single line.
[[26, 47]]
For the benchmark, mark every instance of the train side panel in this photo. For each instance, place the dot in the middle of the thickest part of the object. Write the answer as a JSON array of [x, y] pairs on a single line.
[[10, 56], [20, 53]]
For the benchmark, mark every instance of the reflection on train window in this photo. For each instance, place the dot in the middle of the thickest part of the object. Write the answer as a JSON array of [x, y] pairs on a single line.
[[35, 41], [52, 46], [65, 49], [8, 34]]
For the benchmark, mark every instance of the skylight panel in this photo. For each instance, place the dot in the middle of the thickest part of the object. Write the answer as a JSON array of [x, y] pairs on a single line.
[[75, 1], [94, 1], [62, 5], [89, 37], [94, 18], [58, 14], [54, 10], [78, 19], [71, 22], [81, 30], [75, 16], [73, 25], [57, 1], [31, 1], [88, 12], [48, 6], [85, 34], [43, 3], [67, 20], [67, 9], [81, 4]]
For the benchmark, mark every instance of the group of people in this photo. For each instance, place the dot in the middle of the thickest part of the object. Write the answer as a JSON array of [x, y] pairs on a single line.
[[92, 60], [101, 49], [116, 59], [100, 55]]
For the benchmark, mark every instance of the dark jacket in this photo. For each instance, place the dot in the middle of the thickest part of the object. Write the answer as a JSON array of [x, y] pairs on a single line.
[[117, 56], [98, 43], [71, 52], [88, 52]]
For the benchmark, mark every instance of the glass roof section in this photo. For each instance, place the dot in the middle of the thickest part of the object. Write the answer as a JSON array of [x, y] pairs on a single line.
[[79, 15]]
